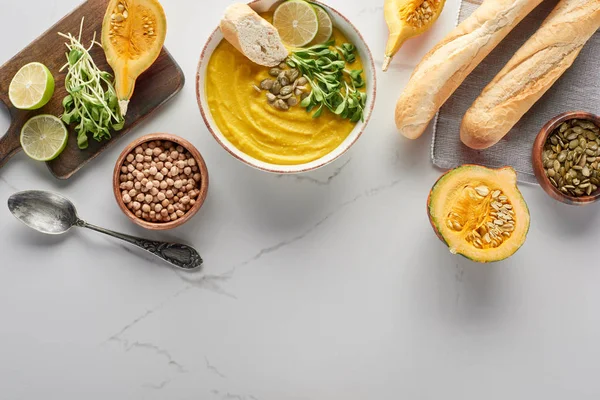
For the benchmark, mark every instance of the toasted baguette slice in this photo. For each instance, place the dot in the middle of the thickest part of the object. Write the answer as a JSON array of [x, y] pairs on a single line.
[[530, 72], [252, 35], [444, 68]]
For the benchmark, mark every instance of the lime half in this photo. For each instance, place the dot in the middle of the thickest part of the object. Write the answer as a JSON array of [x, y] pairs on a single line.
[[44, 137], [297, 22], [32, 87], [325, 26]]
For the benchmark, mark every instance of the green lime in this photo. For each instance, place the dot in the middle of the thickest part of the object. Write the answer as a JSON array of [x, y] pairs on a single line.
[[325, 26], [44, 137], [297, 23], [31, 87]]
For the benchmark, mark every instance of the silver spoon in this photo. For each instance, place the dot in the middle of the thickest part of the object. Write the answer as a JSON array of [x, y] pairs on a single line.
[[53, 214]]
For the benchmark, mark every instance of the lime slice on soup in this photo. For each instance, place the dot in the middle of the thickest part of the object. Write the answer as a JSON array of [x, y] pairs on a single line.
[[325, 26], [297, 22]]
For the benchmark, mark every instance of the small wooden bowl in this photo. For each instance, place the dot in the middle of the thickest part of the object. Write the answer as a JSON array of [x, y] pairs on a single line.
[[538, 166], [203, 188]]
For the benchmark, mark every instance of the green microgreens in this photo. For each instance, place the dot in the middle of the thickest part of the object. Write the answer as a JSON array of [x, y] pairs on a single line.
[[333, 86], [92, 100]]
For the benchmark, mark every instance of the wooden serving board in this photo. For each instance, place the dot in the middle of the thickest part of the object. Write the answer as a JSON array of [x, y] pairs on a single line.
[[153, 88]]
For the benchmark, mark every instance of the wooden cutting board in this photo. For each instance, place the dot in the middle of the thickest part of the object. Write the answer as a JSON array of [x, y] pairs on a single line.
[[153, 88]]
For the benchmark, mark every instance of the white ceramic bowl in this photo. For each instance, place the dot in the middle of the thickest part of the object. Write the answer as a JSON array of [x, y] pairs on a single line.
[[353, 35]]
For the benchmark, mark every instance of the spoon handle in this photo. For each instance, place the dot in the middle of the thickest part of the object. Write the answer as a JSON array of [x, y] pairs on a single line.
[[179, 255]]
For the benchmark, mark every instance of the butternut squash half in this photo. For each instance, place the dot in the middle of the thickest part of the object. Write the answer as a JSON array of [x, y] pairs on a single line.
[[133, 33]]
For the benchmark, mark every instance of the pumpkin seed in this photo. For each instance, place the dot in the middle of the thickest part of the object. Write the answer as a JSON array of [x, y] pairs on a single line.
[[271, 97], [286, 90], [276, 87], [482, 190], [266, 84], [292, 101], [302, 81], [274, 71]]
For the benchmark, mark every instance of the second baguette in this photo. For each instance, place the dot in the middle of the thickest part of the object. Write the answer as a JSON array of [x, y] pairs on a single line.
[[530, 72]]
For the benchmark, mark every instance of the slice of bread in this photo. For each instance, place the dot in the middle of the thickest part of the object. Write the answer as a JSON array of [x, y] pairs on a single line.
[[252, 35]]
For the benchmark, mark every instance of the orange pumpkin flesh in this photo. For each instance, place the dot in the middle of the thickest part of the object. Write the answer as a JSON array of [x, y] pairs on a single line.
[[133, 33], [479, 212]]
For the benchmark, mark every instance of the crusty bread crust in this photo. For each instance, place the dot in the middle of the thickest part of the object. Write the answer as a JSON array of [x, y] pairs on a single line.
[[530, 72], [446, 66], [252, 35]]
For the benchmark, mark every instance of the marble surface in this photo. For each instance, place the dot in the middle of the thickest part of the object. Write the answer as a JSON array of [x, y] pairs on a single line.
[[329, 285]]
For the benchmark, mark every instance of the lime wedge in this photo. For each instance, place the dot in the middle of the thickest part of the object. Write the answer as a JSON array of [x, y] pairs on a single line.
[[297, 23], [325, 26], [44, 137], [31, 87]]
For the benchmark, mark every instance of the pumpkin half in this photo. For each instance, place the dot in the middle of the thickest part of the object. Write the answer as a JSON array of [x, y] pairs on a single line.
[[133, 33], [406, 19], [479, 212]]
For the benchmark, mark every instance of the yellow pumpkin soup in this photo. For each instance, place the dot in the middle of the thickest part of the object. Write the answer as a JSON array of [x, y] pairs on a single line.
[[255, 127]]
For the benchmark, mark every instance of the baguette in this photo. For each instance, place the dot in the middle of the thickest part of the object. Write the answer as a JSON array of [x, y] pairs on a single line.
[[530, 73], [444, 68], [252, 35]]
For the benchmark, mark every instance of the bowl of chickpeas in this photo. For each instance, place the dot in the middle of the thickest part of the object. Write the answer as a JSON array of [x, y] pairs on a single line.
[[160, 181]]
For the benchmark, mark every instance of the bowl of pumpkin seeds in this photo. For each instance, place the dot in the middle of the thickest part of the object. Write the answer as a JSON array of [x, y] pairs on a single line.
[[566, 157]]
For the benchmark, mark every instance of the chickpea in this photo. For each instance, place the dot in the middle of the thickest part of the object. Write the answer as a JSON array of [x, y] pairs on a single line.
[[163, 185], [192, 194], [179, 148], [148, 152], [126, 198], [139, 166], [140, 197], [122, 178], [177, 184], [161, 196], [180, 164], [195, 168], [130, 168], [129, 205], [191, 162], [164, 212], [144, 146], [187, 171], [138, 213], [169, 194], [170, 208], [164, 171], [170, 182], [173, 216], [159, 176], [124, 169], [168, 165], [181, 157], [174, 171], [162, 157], [133, 192], [137, 185], [139, 158], [179, 213], [136, 205], [159, 165], [158, 208], [130, 176], [155, 183], [153, 171], [152, 214], [146, 208], [130, 157], [165, 203], [147, 160], [144, 215], [138, 150], [159, 217], [185, 200], [192, 202], [144, 181], [197, 177], [189, 187], [148, 198], [167, 219], [157, 151], [176, 199]]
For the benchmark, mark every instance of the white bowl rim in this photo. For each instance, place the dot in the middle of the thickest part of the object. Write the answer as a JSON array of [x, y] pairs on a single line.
[[290, 168]]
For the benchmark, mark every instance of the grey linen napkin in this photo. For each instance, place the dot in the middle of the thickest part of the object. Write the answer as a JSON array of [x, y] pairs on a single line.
[[577, 89]]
